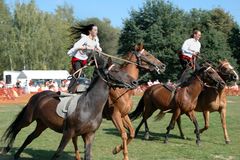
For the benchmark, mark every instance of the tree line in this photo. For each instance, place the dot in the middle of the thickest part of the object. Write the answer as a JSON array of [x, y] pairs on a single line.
[[34, 39]]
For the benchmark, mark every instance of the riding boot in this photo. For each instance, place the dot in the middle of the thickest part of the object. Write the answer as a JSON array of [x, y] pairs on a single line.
[[72, 85]]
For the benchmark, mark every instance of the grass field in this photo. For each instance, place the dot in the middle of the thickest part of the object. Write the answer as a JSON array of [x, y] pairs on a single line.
[[212, 146]]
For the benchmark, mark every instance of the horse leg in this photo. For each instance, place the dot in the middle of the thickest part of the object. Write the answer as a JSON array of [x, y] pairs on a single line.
[[117, 119], [147, 133], [171, 125], [67, 135], [128, 124], [192, 116], [149, 109], [77, 154], [138, 127], [38, 130], [180, 128], [206, 120], [88, 140], [224, 125]]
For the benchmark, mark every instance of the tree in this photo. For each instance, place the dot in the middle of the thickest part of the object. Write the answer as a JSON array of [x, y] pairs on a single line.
[[5, 30], [234, 41], [161, 27]]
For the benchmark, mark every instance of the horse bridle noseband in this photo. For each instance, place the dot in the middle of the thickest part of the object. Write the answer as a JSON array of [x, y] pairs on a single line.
[[205, 84], [106, 77], [225, 73], [140, 58]]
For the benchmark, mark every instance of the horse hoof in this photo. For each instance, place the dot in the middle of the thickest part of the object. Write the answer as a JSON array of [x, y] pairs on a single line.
[[198, 142], [184, 137], [146, 137], [4, 150], [165, 141], [227, 142], [116, 150]]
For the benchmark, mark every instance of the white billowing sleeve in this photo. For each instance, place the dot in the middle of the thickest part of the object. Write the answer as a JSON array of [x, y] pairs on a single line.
[[186, 45], [98, 44], [199, 47], [79, 44]]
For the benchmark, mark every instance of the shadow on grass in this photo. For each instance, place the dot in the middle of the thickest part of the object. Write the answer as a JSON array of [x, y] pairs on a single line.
[[153, 135], [35, 154]]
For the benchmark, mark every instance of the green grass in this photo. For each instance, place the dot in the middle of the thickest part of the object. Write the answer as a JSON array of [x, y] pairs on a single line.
[[212, 145]]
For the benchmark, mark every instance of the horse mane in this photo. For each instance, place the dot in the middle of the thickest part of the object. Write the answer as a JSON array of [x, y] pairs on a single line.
[[189, 80], [127, 57], [223, 61]]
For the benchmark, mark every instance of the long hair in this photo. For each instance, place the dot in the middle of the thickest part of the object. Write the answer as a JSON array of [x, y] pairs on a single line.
[[78, 29]]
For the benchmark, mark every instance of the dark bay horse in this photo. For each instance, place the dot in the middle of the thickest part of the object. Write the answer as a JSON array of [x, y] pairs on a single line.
[[120, 100], [184, 101], [84, 121], [211, 100]]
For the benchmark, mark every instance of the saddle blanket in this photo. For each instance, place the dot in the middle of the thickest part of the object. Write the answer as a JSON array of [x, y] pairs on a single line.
[[67, 105]]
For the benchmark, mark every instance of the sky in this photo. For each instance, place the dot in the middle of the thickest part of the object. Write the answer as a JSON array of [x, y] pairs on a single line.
[[118, 10]]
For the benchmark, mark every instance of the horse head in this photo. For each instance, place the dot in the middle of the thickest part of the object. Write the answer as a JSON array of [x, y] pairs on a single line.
[[227, 72], [146, 60], [210, 77], [111, 73]]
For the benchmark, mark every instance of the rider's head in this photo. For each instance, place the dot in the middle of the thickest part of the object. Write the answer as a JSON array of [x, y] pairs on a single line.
[[90, 29], [196, 34]]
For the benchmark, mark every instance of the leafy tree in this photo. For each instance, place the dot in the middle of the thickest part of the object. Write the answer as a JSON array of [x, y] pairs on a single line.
[[5, 30], [163, 28]]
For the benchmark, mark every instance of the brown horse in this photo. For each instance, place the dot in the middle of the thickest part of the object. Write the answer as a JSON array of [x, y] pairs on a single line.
[[184, 101], [211, 100], [120, 100], [84, 121]]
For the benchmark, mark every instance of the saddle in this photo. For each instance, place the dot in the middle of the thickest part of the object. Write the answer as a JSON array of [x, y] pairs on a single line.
[[172, 89], [67, 105]]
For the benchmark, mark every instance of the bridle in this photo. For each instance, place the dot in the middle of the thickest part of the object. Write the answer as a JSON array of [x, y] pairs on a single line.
[[108, 79], [231, 69], [205, 84], [140, 57]]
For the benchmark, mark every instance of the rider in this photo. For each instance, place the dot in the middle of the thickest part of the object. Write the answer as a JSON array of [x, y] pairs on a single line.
[[190, 49], [82, 49]]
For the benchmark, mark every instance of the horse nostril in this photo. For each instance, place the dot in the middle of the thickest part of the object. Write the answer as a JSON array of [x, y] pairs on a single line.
[[234, 77], [163, 66]]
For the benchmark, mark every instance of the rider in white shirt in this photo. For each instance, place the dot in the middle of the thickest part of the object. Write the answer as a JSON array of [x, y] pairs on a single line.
[[82, 49], [190, 49]]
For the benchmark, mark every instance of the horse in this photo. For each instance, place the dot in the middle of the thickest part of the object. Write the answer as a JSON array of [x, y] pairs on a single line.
[[211, 100], [84, 121], [120, 100], [183, 101]]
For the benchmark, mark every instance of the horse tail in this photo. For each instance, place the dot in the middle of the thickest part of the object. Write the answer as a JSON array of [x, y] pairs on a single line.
[[138, 111], [12, 131], [161, 114], [24, 118]]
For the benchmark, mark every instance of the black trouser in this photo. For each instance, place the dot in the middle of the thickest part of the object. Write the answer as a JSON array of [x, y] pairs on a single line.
[[186, 69], [73, 82]]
